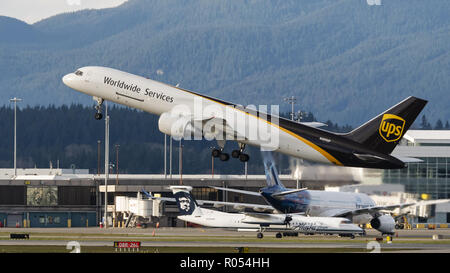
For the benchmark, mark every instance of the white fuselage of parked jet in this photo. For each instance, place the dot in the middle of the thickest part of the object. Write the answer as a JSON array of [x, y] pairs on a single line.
[[327, 203], [173, 102], [298, 223]]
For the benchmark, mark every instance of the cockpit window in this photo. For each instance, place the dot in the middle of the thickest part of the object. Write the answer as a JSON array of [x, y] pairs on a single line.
[[346, 222], [79, 73]]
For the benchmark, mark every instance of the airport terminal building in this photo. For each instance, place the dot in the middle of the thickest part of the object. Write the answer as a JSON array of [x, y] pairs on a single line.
[[427, 179], [47, 198], [75, 198], [432, 175]]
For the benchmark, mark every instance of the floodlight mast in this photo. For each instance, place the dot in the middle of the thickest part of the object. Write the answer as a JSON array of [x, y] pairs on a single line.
[[106, 164], [15, 100], [292, 100]]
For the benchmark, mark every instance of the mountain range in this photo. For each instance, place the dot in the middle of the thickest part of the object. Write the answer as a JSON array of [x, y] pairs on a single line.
[[344, 60]]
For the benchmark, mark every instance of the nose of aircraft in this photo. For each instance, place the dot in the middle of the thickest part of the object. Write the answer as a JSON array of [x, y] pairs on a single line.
[[68, 79]]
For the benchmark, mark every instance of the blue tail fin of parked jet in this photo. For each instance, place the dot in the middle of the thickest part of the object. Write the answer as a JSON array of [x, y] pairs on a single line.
[[271, 171]]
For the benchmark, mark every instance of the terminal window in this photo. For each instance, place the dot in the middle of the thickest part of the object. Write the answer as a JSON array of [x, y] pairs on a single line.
[[42, 196]]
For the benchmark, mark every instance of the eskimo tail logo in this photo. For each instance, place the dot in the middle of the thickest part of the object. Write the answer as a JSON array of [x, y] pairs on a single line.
[[391, 127], [185, 203]]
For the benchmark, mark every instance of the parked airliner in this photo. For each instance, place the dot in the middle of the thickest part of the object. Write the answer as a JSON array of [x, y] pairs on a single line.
[[186, 114], [261, 222], [358, 207]]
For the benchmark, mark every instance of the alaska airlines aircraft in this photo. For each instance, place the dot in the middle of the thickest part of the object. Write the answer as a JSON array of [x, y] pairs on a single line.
[[191, 212], [358, 207], [186, 114]]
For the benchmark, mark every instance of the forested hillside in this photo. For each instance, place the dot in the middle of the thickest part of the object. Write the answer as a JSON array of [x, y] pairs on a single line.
[[69, 134], [344, 60]]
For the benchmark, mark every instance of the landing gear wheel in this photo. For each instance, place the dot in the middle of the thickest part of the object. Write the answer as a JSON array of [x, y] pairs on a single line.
[[98, 116], [278, 235], [224, 156], [259, 235], [215, 153], [244, 157], [235, 153], [98, 108]]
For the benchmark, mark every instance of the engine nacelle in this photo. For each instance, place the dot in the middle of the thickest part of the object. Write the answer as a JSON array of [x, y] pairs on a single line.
[[177, 126], [384, 223]]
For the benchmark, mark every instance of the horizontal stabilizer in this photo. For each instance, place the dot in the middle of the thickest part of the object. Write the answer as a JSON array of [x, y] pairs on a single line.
[[314, 124], [408, 159], [238, 191], [283, 193]]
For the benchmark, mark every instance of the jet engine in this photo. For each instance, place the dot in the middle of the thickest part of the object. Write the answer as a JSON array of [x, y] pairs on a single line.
[[177, 126], [384, 223]]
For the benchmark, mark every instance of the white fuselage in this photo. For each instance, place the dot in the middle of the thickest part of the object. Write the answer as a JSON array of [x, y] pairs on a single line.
[[298, 223], [326, 203], [159, 98]]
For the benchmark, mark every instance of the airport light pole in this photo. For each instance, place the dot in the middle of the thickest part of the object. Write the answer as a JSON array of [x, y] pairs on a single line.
[[117, 163], [170, 157], [165, 156], [245, 169], [212, 162], [292, 100], [181, 163], [106, 163], [98, 157], [15, 100], [297, 175], [212, 166], [117, 183]]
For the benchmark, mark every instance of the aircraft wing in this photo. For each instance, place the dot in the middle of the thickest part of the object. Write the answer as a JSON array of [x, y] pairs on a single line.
[[216, 126], [264, 219], [375, 209], [275, 195], [238, 206], [238, 191], [278, 194]]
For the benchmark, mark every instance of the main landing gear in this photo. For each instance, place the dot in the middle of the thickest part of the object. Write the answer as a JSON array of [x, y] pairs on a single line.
[[98, 108], [219, 153], [239, 154], [235, 154]]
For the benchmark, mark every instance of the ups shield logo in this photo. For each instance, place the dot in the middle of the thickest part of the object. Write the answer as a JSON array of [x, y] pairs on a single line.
[[391, 127]]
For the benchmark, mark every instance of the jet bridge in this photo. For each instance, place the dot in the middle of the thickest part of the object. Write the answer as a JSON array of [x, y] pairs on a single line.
[[131, 211]]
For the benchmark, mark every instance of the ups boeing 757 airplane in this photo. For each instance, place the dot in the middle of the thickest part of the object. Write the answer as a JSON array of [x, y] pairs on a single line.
[[186, 114]]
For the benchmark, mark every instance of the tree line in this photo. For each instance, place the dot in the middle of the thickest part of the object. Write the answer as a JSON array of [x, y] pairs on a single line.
[[67, 136]]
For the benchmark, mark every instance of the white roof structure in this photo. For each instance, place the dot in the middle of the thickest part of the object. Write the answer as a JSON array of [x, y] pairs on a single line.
[[438, 144], [428, 136]]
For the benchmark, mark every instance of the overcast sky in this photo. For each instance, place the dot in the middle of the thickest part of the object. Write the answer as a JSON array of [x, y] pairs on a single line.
[[32, 11]]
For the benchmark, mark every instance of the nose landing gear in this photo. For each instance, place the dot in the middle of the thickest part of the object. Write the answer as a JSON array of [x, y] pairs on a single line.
[[98, 108], [98, 116]]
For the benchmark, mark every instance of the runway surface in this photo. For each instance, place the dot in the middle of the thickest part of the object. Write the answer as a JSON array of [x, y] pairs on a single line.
[[418, 240]]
